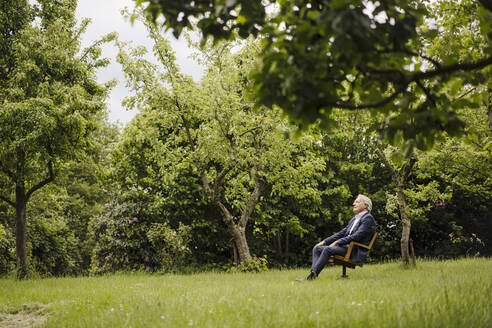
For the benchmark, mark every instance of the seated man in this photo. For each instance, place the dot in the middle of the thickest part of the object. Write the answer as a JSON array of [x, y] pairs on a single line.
[[361, 228]]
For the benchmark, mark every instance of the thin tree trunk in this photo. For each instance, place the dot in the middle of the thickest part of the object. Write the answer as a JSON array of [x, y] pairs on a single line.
[[412, 252], [234, 249], [399, 179], [406, 225], [21, 231], [278, 237], [286, 253]]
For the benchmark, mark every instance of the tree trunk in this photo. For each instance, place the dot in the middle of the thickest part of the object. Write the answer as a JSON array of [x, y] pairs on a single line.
[[278, 237], [234, 249], [286, 253], [406, 224], [236, 228], [399, 179], [21, 231], [240, 241]]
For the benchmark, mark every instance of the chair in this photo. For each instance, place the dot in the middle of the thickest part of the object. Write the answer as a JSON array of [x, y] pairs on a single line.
[[345, 260]]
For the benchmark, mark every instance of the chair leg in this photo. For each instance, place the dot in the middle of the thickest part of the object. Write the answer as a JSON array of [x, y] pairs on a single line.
[[344, 272]]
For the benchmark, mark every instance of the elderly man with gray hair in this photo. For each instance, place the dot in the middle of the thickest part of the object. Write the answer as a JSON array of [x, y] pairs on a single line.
[[361, 228]]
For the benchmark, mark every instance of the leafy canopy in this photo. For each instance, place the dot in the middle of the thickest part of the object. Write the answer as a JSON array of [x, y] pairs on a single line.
[[350, 54]]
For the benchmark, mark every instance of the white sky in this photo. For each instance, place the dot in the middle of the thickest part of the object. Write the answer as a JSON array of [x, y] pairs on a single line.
[[106, 18]]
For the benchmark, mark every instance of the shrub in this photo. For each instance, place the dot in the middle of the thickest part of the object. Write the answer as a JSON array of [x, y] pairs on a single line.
[[170, 245], [128, 238], [7, 256], [52, 247], [255, 264]]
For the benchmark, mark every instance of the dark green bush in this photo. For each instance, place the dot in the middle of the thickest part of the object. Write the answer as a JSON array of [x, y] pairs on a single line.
[[128, 238]]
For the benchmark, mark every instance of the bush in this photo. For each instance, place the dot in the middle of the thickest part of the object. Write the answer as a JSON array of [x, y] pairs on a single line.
[[256, 264], [7, 257], [52, 247], [128, 238], [170, 245]]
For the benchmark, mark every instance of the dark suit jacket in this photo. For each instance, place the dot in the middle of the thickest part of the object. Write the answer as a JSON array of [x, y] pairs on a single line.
[[362, 233]]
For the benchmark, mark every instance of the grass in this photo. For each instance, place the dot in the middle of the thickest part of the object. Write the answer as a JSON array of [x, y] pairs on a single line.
[[435, 294]]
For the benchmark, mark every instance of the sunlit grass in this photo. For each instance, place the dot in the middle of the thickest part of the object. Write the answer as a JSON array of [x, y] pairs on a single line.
[[435, 294]]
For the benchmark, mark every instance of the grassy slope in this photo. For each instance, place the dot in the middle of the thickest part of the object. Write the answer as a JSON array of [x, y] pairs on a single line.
[[436, 294]]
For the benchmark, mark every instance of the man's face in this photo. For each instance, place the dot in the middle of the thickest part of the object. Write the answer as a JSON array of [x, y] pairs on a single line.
[[359, 206]]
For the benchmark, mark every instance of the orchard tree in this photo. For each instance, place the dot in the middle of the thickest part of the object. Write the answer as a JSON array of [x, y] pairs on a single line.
[[400, 172], [49, 96], [350, 54], [213, 128]]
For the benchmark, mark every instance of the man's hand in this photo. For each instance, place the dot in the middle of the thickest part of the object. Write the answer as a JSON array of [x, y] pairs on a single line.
[[321, 243], [333, 244]]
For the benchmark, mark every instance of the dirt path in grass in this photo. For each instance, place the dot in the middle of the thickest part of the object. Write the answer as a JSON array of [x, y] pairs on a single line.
[[31, 315]]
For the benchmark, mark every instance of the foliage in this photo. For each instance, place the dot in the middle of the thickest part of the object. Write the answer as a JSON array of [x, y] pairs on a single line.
[[50, 99], [53, 248], [139, 175], [255, 264], [50, 96], [367, 55], [3, 239], [170, 245], [438, 294], [7, 257], [212, 129], [129, 237]]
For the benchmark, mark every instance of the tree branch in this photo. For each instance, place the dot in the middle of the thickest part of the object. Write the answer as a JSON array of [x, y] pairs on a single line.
[[405, 170], [436, 64], [427, 92], [253, 199], [381, 103], [451, 68], [465, 94], [408, 52], [382, 157], [250, 130], [50, 178], [414, 78], [228, 218], [220, 179], [7, 200]]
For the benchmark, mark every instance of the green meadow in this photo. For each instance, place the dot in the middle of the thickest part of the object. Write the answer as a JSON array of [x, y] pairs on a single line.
[[454, 293]]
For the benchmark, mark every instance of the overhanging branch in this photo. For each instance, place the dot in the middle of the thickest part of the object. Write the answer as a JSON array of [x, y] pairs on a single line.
[[416, 77], [450, 69]]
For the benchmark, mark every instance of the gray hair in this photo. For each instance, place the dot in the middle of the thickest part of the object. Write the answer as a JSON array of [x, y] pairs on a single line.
[[366, 201]]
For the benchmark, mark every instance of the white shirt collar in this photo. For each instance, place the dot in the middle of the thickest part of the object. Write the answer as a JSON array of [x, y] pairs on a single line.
[[358, 216]]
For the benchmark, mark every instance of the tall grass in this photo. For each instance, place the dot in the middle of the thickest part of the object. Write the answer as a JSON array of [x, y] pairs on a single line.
[[435, 294]]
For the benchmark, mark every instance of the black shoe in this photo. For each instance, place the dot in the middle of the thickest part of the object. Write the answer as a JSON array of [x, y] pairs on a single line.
[[312, 275]]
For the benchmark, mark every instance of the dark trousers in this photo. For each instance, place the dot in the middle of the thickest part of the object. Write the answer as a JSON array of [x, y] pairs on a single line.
[[321, 254]]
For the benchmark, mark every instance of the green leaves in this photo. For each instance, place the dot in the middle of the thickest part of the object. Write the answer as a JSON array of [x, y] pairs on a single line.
[[310, 50]]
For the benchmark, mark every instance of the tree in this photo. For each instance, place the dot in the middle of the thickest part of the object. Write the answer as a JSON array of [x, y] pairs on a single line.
[[367, 55], [49, 98], [399, 175], [213, 129]]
